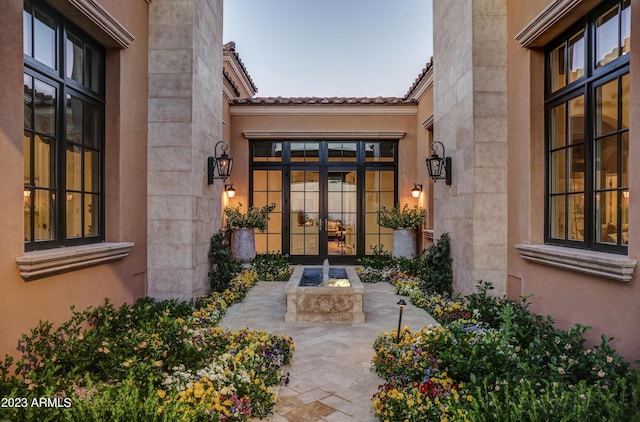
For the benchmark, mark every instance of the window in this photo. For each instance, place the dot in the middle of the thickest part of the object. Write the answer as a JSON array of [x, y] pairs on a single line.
[[63, 132], [327, 195], [587, 142]]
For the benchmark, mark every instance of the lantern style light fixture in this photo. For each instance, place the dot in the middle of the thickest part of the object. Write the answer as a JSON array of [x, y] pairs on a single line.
[[417, 188], [439, 167], [219, 167], [231, 192]]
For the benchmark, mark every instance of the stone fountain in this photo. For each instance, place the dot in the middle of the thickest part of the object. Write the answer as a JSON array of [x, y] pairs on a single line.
[[324, 294]]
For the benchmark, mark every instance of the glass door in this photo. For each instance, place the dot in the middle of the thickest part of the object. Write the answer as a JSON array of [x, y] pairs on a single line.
[[306, 222], [342, 213], [323, 213], [327, 195]]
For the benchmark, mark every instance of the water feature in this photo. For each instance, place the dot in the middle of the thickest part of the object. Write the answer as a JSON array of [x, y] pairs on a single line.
[[311, 277], [324, 294], [326, 276]]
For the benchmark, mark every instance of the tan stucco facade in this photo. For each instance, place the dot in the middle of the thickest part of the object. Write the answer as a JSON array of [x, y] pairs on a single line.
[[608, 306], [163, 107], [24, 302], [496, 76], [317, 122], [422, 92]]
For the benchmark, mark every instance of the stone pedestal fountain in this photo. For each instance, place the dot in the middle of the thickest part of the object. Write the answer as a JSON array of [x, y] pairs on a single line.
[[324, 294]]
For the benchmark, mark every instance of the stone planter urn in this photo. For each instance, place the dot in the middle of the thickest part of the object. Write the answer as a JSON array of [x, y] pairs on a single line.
[[404, 243], [243, 246]]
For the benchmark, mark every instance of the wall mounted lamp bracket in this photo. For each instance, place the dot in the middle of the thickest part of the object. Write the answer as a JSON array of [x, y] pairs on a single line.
[[219, 166], [437, 166]]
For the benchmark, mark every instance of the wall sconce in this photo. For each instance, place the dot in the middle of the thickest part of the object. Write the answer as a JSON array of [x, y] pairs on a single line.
[[27, 196], [439, 167], [231, 192], [417, 188], [219, 167], [402, 304]]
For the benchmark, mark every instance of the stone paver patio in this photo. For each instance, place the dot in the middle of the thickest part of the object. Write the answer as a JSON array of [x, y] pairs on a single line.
[[330, 379]]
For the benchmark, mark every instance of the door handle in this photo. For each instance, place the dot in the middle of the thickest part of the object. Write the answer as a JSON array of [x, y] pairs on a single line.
[[320, 225]]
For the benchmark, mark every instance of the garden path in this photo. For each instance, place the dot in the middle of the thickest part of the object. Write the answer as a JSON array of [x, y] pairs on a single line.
[[330, 379]]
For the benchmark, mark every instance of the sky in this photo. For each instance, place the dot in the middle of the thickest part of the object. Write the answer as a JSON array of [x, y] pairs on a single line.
[[331, 48]]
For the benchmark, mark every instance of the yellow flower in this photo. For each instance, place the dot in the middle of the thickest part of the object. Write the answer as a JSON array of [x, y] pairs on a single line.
[[162, 394]]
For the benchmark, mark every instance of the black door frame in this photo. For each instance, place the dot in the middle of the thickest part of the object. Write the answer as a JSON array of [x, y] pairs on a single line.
[[324, 167], [323, 171]]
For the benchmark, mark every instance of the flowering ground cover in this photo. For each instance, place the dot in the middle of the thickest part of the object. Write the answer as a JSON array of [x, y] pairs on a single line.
[[150, 361], [493, 360]]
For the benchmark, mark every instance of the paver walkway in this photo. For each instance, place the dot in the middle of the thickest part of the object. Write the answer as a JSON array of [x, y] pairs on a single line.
[[330, 377]]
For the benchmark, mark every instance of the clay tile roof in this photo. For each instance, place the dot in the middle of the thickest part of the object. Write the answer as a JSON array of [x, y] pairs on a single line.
[[422, 74], [230, 47], [324, 100]]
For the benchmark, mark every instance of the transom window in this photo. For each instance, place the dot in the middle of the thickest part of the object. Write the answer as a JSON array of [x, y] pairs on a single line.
[[587, 145], [63, 132]]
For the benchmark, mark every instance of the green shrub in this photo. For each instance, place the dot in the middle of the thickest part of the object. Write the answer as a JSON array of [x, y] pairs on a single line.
[[117, 363], [272, 266], [533, 401], [514, 365], [405, 218], [222, 266], [254, 218], [432, 266], [378, 260], [435, 266]]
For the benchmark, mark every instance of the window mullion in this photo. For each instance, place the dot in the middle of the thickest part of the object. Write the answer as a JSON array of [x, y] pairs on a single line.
[[61, 188], [589, 166]]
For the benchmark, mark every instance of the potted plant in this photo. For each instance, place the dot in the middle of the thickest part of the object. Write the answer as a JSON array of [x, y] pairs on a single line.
[[242, 226], [403, 222]]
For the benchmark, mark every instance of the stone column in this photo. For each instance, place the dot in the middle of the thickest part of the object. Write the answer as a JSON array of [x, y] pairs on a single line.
[[185, 122], [470, 119]]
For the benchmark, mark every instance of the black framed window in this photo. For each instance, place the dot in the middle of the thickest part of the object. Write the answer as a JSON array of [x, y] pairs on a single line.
[[364, 170], [587, 127], [63, 132]]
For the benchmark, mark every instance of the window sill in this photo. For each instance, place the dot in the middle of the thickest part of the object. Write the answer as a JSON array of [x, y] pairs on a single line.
[[600, 264], [38, 264]]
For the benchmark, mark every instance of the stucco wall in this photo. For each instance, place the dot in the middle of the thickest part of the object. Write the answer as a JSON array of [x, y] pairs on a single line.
[[23, 304], [608, 306], [185, 123], [337, 120], [423, 150]]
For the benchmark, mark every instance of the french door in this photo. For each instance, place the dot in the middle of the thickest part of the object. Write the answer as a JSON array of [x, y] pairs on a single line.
[[327, 194], [323, 214]]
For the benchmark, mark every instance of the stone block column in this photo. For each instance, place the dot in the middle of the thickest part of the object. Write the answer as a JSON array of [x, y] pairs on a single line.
[[185, 122], [470, 119]]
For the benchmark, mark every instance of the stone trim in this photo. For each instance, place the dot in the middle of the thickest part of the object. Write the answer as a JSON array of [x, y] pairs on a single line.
[[89, 15], [533, 32], [600, 264], [428, 122], [328, 134], [38, 264]]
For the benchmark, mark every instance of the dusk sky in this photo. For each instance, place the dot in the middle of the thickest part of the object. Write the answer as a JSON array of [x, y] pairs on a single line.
[[326, 48]]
